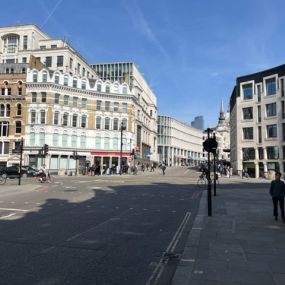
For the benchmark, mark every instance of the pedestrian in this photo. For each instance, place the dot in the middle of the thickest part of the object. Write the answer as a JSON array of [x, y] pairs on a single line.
[[163, 168], [152, 167], [277, 192]]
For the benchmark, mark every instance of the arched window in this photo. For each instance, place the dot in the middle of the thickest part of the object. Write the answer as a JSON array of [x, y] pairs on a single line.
[[56, 78], [83, 85], [65, 82], [44, 76], [107, 142], [35, 76], [99, 87], [19, 110], [8, 108], [65, 119], [98, 123], [107, 89], [18, 127], [32, 138], [4, 129], [116, 124], [74, 83], [116, 88], [107, 123], [83, 121]]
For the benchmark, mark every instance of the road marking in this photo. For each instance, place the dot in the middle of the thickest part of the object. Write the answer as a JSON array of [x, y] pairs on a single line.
[[186, 171], [156, 274], [47, 249], [11, 209], [8, 216]]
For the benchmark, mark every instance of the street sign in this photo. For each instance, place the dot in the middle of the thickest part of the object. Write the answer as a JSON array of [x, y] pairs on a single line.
[[210, 145]]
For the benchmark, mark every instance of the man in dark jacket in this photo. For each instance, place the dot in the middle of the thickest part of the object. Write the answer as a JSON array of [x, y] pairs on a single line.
[[277, 192]]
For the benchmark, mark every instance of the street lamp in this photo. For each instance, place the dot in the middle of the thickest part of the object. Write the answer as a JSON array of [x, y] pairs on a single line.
[[122, 128]]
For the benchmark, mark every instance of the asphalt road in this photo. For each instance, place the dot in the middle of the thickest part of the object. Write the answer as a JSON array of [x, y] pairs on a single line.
[[96, 230]]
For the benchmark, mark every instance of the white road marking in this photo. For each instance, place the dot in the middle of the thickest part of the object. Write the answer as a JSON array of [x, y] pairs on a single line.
[[47, 249], [8, 216], [186, 171], [170, 249], [11, 209]]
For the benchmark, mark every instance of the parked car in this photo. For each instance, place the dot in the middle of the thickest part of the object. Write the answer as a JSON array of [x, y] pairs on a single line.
[[13, 171]]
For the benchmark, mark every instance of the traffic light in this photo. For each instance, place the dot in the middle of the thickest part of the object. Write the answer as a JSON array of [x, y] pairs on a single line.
[[45, 149]]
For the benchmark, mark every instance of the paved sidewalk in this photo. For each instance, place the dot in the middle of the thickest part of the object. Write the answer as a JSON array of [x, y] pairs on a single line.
[[240, 244]]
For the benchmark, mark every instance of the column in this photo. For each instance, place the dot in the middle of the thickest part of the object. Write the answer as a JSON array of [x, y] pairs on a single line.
[[256, 164], [265, 162]]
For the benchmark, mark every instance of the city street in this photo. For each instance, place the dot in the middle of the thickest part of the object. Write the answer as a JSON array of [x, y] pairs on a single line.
[[96, 230]]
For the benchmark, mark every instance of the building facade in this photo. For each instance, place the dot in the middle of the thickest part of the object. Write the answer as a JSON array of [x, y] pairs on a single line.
[[12, 111], [146, 104], [257, 119], [73, 110], [179, 143]]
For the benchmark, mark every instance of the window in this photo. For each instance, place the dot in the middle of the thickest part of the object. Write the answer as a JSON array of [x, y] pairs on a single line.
[[18, 127], [115, 143], [53, 46], [65, 82], [83, 141], [44, 76], [83, 121], [74, 141], [56, 78], [59, 60], [98, 123], [116, 124], [247, 133], [56, 98], [283, 132], [271, 110], [99, 87], [272, 152], [70, 63], [78, 67], [56, 118], [11, 43], [65, 119], [271, 131], [35, 76], [106, 143], [107, 123], [25, 42], [125, 90], [48, 61], [282, 87], [43, 47], [64, 140], [270, 86], [283, 109], [65, 100], [247, 113], [74, 83], [124, 123], [98, 142], [33, 117], [19, 91], [4, 147], [75, 102], [42, 138], [83, 86], [248, 153], [74, 120], [4, 129], [107, 106], [2, 110], [107, 88], [84, 103], [124, 107], [98, 106], [24, 60], [55, 139], [32, 138], [83, 71], [43, 116], [116, 106], [247, 91], [44, 97], [19, 110]]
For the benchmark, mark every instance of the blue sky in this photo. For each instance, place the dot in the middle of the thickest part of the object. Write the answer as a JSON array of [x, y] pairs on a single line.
[[190, 51]]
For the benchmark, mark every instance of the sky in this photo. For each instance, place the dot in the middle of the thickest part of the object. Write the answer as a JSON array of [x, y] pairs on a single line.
[[189, 51]]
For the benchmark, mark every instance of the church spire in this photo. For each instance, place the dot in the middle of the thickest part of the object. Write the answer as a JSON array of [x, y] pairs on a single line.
[[222, 114]]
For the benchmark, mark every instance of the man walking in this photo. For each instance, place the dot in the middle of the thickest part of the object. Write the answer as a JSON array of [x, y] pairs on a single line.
[[277, 192]]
